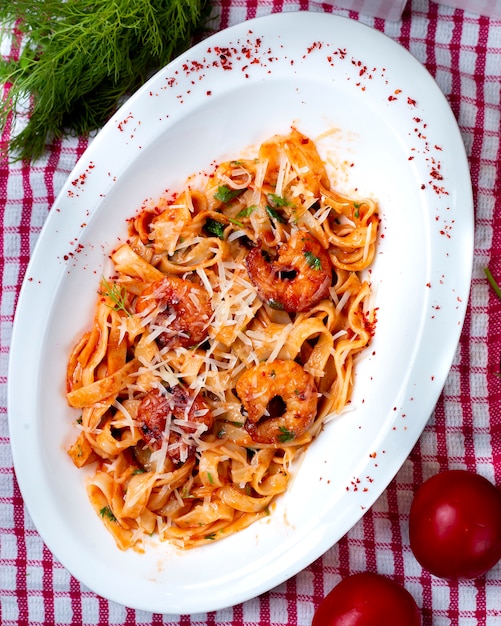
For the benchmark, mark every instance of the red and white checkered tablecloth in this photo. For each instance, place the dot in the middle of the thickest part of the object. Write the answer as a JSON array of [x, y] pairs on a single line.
[[463, 52]]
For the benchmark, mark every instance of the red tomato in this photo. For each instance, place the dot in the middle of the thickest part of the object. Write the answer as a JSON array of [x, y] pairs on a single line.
[[367, 600], [455, 525]]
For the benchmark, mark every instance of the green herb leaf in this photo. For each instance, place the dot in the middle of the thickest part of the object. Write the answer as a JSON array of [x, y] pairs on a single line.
[[274, 304], [275, 215], [312, 260], [236, 222], [213, 227], [225, 194], [81, 58], [108, 513], [286, 435], [492, 282], [279, 200], [495, 286], [247, 211]]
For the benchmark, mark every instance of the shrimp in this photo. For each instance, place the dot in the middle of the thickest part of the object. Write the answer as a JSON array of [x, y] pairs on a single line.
[[297, 279], [279, 400], [182, 307], [176, 416]]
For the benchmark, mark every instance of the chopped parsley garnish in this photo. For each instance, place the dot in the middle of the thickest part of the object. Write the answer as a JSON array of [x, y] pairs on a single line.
[[275, 215], [357, 206], [286, 435], [274, 304], [312, 260], [213, 227], [279, 200], [236, 222], [247, 211], [108, 513], [225, 194]]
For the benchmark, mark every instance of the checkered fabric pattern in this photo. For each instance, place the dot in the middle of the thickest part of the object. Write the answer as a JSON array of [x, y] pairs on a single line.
[[463, 52]]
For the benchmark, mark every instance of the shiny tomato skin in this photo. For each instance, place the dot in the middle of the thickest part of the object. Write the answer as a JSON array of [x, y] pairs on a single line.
[[455, 525], [367, 599]]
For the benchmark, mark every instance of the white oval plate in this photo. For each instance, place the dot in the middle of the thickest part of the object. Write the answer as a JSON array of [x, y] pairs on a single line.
[[396, 140]]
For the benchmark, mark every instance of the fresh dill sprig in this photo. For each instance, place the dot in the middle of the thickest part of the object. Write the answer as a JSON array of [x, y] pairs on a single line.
[[80, 58], [117, 294]]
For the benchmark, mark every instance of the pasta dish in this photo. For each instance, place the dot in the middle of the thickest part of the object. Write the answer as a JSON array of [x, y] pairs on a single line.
[[224, 337]]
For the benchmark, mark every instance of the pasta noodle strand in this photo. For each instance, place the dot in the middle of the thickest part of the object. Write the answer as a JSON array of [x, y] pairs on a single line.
[[226, 337]]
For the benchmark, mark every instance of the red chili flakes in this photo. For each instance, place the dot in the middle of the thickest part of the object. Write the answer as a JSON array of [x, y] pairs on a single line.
[[224, 55], [434, 163], [357, 485], [354, 484], [121, 125], [370, 326], [411, 102], [435, 174], [192, 66], [394, 95], [316, 45], [79, 182]]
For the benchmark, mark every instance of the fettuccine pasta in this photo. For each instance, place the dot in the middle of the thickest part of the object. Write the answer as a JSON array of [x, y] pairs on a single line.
[[223, 339]]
